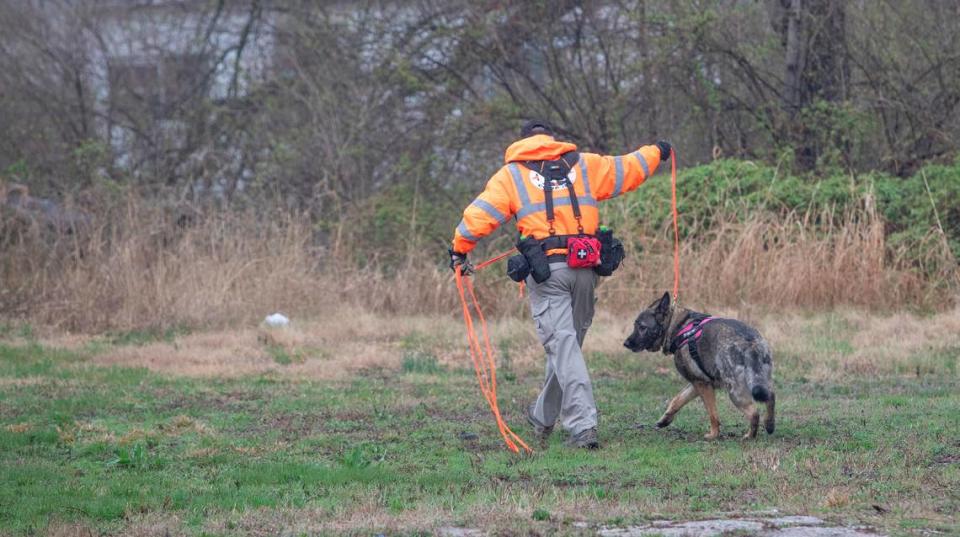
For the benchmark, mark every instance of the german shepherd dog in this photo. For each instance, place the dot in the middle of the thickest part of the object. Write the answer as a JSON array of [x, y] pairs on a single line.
[[709, 353]]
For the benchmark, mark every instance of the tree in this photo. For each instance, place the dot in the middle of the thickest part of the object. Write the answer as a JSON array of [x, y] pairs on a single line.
[[816, 69]]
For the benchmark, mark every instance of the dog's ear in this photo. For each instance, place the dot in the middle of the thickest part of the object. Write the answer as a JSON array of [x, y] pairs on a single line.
[[664, 305]]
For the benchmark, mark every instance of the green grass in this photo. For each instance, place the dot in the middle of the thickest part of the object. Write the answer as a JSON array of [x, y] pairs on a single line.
[[143, 337], [110, 448], [284, 356], [420, 362]]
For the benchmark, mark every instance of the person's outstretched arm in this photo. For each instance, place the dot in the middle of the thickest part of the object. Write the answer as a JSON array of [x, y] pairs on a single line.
[[621, 174]]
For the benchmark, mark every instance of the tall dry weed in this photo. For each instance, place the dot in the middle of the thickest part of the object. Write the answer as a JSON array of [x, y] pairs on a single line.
[[137, 265]]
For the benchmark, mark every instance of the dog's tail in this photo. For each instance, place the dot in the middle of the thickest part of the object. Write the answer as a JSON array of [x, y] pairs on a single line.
[[761, 388]]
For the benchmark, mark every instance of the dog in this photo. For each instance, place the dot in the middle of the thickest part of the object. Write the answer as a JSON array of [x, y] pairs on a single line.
[[709, 353]]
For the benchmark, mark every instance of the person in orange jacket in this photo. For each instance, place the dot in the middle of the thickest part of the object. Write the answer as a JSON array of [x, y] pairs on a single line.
[[545, 211]]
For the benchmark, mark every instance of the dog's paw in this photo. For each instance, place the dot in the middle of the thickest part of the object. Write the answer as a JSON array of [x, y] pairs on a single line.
[[663, 422], [711, 436]]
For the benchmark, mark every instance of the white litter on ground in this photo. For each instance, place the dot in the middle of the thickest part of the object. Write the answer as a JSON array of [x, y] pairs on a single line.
[[276, 320]]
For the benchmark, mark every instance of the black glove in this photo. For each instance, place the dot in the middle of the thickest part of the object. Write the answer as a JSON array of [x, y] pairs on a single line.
[[458, 259], [664, 147]]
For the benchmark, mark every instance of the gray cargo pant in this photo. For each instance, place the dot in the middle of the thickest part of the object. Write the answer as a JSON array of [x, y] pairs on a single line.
[[562, 309]]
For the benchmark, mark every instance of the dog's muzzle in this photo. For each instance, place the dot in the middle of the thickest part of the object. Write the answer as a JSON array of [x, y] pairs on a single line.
[[647, 342]]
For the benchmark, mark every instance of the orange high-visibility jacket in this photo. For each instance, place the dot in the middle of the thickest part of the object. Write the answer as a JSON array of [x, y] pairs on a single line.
[[516, 191]]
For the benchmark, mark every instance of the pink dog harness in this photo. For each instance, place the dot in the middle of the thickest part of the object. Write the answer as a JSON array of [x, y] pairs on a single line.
[[689, 335]]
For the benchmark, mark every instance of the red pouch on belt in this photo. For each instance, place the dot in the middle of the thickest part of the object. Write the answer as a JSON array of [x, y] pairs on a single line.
[[583, 252]]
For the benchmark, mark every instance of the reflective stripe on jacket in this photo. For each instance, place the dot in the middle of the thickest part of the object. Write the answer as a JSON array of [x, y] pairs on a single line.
[[517, 192]]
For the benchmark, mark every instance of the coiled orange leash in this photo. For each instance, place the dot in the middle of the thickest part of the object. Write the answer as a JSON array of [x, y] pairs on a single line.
[[484, 363]]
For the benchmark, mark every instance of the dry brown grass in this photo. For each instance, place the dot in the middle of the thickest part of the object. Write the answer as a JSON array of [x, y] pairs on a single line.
[[331, 347], [220, 274], [846, 342], [18, 427], [798, 261], [70, 529], [369, 515], [139, 525], [139, 266]]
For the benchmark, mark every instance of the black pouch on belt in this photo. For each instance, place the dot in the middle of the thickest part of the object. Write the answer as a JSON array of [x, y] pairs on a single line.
[[611, 252], [532, 250], [518, 268]]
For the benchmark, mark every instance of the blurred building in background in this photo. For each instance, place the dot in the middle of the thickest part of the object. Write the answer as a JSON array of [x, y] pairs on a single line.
[[159, 60]]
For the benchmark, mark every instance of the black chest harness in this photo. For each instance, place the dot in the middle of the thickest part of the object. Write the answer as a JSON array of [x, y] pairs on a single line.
[[555, 176], [689, 335]]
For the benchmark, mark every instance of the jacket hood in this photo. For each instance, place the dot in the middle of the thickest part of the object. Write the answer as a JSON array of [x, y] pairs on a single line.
[[537, 147]]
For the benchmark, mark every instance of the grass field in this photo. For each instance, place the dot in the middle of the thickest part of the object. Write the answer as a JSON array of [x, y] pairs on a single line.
[[317, 435]]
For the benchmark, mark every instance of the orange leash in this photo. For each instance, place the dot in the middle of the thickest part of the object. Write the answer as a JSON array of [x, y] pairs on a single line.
[[493, 260], [676, 228], [484, 363]]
